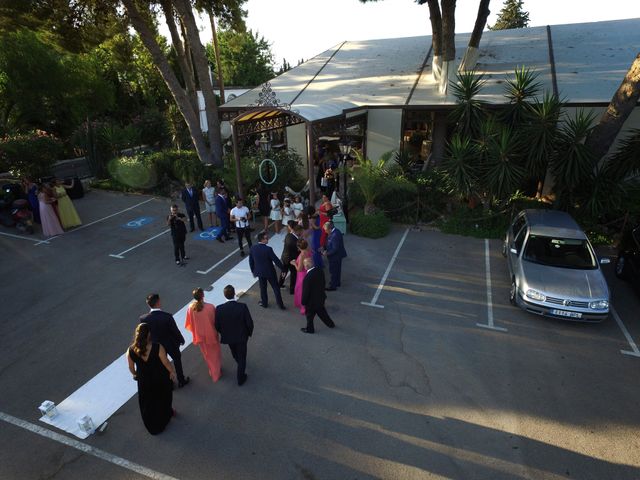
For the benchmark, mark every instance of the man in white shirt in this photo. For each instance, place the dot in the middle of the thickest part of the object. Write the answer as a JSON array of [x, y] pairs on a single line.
[[240, 215]]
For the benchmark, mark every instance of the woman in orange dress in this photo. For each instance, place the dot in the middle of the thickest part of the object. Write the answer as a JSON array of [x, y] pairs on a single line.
[[324, 218], [200, 322]]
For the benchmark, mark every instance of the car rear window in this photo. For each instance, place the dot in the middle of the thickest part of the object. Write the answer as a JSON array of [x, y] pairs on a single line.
[[559, 252]]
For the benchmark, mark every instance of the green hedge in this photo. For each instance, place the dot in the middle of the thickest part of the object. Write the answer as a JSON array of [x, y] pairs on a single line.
[[370, 226]]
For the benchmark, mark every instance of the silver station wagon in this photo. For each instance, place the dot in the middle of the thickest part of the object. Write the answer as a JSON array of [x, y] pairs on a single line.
[[553, 268]]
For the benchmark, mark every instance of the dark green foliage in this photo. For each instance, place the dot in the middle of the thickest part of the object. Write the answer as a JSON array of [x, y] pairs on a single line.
[[503, 172], [375, 225], [246, 58], [541, 134], [625, 161], [574, 163], [475, 222], [45, 89], [374, 181], [520, 89], [512, 15], [29, 154], [469, 112], [461, 166], [288, 164]]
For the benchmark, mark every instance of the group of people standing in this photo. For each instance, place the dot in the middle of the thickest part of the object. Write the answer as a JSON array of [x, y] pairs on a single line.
[[51, 206], [157, 337]]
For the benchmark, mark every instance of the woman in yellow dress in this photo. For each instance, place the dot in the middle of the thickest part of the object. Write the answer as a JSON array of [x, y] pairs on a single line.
[[68, 214]]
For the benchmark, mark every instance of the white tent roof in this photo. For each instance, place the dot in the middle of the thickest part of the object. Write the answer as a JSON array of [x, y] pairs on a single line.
[[590, 61]]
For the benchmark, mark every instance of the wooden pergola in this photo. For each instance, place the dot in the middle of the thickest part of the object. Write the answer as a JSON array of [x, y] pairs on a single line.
[[263, 119], [269, 114]]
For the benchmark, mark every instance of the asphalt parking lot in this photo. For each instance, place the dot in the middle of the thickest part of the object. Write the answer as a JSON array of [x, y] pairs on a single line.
[[439, 383]]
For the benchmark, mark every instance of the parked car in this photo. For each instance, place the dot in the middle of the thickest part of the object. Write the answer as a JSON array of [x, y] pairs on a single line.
[[628, 263], [553, 268]]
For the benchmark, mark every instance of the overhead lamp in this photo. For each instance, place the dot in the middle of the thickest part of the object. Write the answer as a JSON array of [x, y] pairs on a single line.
[[265, 143]]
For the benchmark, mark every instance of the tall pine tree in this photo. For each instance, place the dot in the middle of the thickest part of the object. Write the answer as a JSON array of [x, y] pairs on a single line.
[[512, 15]]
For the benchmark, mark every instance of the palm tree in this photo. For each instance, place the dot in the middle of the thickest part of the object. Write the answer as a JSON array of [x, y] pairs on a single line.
[[541, 133], [375, 180], [503, 172], [461, 167], [469, 112], [573, 164], [519, 90]]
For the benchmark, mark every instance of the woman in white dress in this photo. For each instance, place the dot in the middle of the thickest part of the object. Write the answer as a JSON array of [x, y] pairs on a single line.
[[276, 211], [209, 197]]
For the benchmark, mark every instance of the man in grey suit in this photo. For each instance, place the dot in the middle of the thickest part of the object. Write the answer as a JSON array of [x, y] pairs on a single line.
[[261, 261], [235, 325]]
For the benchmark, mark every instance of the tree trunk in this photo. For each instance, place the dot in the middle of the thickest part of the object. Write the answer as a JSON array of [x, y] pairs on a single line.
[[622, 104], [470, 58], [187, 72], [162, 64], [217, 52], [202, 69], [448, 43], [436, 38]]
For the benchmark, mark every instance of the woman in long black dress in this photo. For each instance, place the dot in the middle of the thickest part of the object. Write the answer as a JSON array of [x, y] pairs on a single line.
[[155, 375]]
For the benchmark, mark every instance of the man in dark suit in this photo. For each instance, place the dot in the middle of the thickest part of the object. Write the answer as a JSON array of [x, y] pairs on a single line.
[[290, 252], [165, 332], [222, 211], [313, 296], [261, 260], [335, 252], [191, 199], [235, 325]]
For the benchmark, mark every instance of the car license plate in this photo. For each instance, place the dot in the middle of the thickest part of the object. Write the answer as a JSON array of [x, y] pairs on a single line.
[[564, 313]]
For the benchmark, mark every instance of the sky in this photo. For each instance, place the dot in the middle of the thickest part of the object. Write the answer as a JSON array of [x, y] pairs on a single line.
[[301, 29]]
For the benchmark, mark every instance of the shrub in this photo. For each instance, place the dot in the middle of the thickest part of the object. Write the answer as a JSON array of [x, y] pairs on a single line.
[[29, 154], [476, 222], [375, 225]]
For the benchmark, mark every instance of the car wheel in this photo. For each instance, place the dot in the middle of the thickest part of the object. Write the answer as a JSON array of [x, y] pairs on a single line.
[[621, 268], [504, 249], [513, 291]]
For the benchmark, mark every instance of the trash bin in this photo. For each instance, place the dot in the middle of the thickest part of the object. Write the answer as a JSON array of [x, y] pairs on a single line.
[[340, 222]]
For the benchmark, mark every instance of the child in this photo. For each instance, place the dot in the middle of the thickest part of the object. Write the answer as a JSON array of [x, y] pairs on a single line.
[[276, 211], [297, 207], [288, 212]]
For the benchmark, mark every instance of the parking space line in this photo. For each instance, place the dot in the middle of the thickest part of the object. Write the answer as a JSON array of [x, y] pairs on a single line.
[[225, 258], [373, 301], [83, 447], [35, 240], [97, 221], [487, 266], [120, 255], [635, 352]]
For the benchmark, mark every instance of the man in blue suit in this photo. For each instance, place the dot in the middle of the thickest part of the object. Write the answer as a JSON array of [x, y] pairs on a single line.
[[191, 198], [165, 332], [261, 260], [335, 252], [222, 212]]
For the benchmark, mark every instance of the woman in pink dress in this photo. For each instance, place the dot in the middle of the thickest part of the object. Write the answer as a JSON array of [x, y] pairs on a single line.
[[48, 218], [200, 322], [305, 252]]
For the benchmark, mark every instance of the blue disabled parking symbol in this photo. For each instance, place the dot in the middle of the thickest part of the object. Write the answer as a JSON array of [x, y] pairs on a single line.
[[209, 234], [138, 222]]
